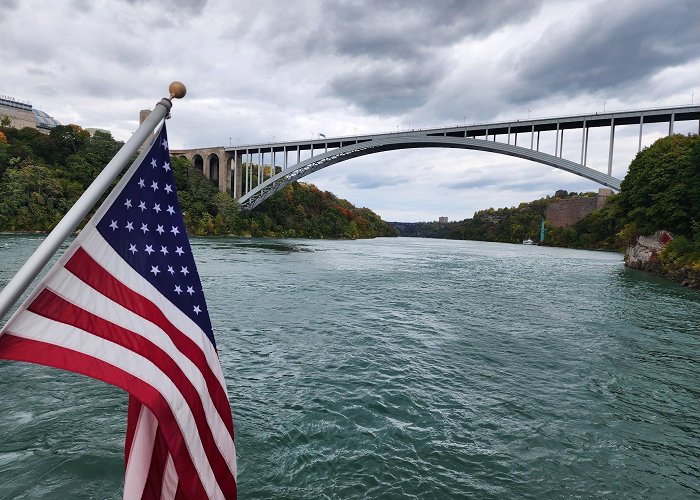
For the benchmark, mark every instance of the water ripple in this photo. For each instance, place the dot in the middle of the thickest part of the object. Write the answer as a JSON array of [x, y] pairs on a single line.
[[406, 368]]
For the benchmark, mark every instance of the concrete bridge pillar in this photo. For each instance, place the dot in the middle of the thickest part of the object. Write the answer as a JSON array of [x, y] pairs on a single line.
[[224, 177], [235, 175]]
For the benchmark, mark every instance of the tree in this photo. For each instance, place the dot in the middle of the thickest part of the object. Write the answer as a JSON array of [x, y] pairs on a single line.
[[662, 187], [68, 139], [34, 199]]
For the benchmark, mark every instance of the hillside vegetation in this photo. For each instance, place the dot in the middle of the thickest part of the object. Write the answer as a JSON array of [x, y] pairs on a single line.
[[660, 191], [41, 176], [503, 225]]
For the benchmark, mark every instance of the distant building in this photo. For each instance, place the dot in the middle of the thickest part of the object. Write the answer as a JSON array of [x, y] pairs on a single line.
[[571, 210], [92, 130], [22, 114], [442, 220]]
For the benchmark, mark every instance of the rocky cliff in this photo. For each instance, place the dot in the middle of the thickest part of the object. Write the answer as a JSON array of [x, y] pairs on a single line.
[[645, 254]]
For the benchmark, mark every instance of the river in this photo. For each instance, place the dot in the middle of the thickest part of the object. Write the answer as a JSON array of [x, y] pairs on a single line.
[[405, 368]]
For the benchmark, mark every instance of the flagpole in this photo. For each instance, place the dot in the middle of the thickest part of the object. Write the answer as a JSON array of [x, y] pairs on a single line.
[[24, 277]]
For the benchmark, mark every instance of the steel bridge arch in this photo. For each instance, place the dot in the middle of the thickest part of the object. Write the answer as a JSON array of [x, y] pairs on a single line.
[[409, 141]]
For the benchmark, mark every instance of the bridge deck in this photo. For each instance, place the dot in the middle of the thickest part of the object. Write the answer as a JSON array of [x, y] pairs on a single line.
[[245, 171], [655, 115]]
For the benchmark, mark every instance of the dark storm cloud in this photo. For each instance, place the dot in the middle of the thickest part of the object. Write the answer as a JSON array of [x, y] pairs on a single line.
[[83, 6], [373, 181], [175, 6], [406, 29], [472, 184], [608, 50], [381, 89], [507, 185], [396, 52]]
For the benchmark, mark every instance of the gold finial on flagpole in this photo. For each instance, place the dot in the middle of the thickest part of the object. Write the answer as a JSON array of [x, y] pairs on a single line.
[[177, 90]]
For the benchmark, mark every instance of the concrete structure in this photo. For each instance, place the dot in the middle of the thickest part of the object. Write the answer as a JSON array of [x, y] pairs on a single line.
[[252, 173], [566, 212], [212, 162], [22, 114], [443, 220], [92, 130]]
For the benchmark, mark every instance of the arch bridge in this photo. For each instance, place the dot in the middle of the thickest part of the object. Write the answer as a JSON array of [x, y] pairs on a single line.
[[252, 173]]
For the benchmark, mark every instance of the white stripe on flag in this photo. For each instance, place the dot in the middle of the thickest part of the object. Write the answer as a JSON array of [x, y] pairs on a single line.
[[139, 460], [170, 480]]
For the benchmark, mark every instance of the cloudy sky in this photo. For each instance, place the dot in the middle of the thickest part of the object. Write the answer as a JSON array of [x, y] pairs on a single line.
[[262, 70]]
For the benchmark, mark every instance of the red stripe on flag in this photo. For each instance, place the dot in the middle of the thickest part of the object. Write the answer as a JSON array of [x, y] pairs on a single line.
[[82, 265], [132, 419], [33, 351], [51, 306], [159, 460], [180, 494]]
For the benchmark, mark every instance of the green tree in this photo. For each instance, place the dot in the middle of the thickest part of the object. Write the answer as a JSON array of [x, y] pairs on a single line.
[[33, 199], [662, 187], [68, 139]]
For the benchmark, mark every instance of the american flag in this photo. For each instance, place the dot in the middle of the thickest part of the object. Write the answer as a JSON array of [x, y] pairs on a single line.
[[124, 304]]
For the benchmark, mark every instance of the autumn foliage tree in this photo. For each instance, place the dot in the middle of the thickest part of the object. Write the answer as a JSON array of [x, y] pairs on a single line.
[[41, 176]]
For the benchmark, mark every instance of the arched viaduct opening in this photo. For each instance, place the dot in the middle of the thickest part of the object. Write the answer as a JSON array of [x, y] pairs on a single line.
[[213, 168], [198, 162]]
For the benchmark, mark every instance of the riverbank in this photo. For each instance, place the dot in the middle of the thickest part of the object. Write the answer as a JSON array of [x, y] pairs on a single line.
[[658, 254]]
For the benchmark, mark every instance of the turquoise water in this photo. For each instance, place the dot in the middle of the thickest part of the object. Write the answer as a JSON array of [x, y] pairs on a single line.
[[405, 368]]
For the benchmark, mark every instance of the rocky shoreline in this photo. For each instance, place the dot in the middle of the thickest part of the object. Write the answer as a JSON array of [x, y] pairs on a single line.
[[644, 254]]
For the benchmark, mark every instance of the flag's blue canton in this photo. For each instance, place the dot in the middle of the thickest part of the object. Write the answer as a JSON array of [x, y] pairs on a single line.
[[145, 226]]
